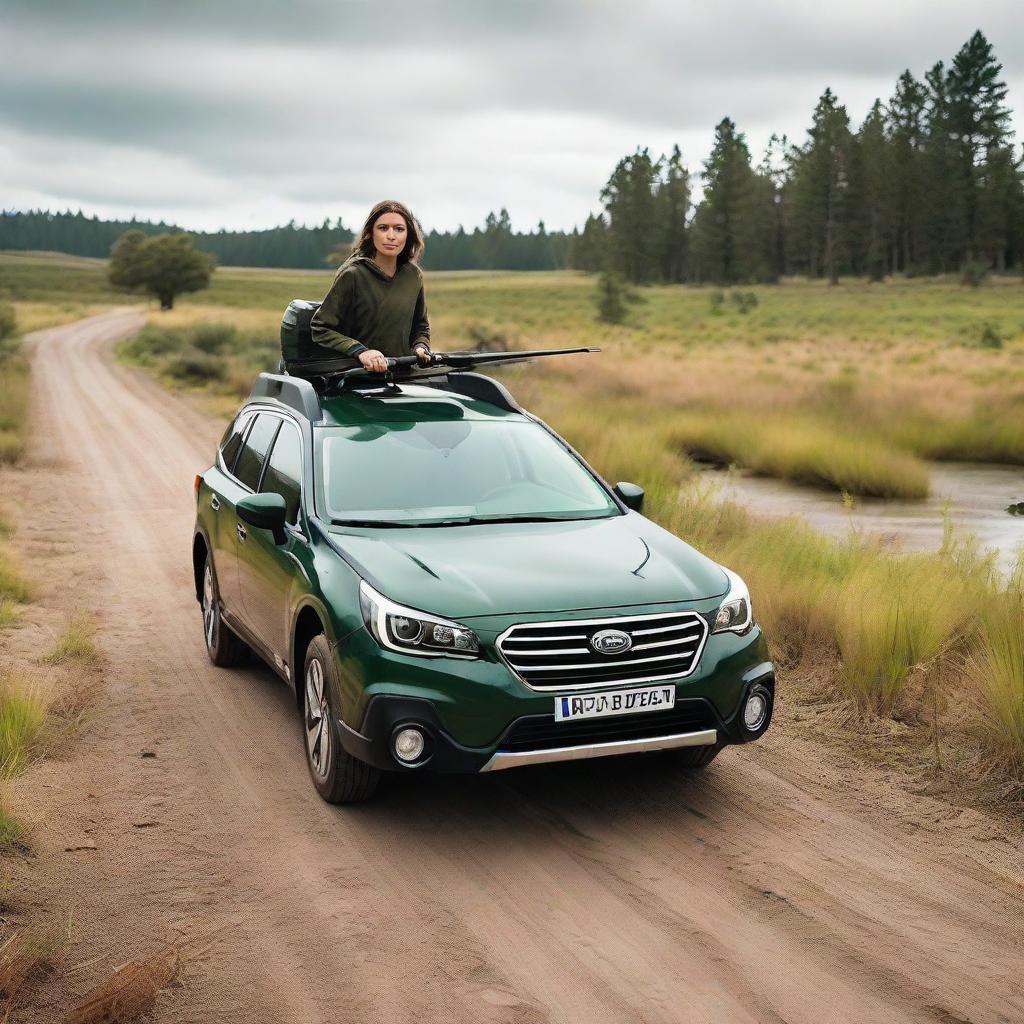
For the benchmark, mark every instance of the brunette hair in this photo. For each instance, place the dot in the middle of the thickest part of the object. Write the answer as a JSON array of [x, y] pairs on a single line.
[[413, 247]]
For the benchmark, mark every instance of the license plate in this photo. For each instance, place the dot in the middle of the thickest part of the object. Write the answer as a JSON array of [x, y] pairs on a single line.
[[614, 702]]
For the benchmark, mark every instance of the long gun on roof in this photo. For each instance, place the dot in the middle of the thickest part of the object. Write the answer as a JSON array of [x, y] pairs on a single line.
[[339, 370]]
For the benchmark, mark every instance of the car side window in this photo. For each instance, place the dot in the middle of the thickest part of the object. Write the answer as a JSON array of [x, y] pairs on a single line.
[[284, 470], [254, 450], [232, 440]]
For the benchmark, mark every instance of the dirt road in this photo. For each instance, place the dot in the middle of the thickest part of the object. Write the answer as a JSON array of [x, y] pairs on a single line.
[[783, 885]]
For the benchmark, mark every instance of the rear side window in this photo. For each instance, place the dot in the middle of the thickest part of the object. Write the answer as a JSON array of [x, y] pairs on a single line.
[[284, 470], [254, 451], [232, 439]]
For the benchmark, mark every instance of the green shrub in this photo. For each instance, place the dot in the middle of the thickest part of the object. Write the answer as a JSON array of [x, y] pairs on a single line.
[[744, 301], [716, 300], [974, 273], [154, 341], [8, 321], [487, 339], [195, 367], [611, 298], [989, 337], [214, 338]]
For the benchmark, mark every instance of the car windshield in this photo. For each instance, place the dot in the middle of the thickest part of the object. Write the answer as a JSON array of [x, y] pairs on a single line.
[[452, 472]]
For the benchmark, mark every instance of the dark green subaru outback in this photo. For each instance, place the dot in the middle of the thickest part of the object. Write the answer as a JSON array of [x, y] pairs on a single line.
[[449, 587]]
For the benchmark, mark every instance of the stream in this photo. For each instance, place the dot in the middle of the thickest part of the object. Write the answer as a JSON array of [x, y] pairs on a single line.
[[975, 494]]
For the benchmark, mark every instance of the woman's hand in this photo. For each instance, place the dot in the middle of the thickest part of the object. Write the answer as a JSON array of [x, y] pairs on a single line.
[[422, 354], [373, 360]]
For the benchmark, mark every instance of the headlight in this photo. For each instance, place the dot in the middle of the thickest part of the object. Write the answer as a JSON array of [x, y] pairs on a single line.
[[734, 615], [404, 629]]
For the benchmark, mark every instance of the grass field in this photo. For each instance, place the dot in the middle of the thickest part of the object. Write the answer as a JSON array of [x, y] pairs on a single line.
[[849, 388]]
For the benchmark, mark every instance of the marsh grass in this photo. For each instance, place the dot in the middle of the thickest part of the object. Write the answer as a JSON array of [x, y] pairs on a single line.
[[802, 450], [996, 672]]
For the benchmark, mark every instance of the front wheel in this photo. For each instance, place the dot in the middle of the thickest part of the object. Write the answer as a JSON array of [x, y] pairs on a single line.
[[224, 648], [338, 777]]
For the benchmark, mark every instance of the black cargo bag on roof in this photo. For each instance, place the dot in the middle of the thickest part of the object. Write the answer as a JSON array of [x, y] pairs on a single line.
[[298, 350]]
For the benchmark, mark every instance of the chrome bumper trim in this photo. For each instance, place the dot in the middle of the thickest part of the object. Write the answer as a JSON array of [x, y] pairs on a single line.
[[513, 759]]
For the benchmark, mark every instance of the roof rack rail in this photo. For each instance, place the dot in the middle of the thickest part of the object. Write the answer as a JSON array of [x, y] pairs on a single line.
[[480, 387], [294, 392]]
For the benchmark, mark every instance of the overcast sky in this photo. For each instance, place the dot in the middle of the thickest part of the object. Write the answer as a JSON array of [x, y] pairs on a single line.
[[249, 113]]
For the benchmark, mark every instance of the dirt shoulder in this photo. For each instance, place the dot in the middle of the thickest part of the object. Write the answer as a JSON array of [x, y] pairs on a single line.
[[790, 883]]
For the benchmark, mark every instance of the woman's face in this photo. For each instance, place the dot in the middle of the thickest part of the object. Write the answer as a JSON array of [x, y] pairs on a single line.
[[389, 234]]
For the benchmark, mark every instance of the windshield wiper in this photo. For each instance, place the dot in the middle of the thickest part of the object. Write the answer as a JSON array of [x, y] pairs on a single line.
[[371, 522], [527, 518]]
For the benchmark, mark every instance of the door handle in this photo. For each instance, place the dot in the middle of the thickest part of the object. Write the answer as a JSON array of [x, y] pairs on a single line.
[[240, 529], [215, 503]]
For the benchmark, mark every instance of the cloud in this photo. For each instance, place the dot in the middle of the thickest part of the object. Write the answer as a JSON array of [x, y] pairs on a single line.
[[236, 113]]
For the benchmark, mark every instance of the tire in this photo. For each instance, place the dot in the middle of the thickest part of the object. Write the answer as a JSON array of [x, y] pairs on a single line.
[[693, 759], [338, 777], [225, 649]]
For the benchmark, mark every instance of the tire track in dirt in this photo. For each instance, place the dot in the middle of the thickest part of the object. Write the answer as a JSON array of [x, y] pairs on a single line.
[[771, 889]]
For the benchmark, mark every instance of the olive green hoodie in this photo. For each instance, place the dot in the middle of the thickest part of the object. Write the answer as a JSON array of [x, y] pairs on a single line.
[[365, 308]]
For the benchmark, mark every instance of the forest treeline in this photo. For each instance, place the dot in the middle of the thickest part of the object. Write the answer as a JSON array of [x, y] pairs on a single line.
[[930, 182]]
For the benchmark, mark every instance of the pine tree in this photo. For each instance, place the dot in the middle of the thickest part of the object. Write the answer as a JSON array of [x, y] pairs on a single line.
[[905, 129], [630, 205], [945, 199], [874, 173], [774, 170], [734, 224], [672, 206], [979, 122], [822, 207], [590, 247]]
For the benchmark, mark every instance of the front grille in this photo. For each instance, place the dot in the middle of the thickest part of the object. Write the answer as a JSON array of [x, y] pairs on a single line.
[[542, 732], [558, 655]]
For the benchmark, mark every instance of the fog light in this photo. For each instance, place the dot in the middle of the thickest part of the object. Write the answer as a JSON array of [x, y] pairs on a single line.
[[755, 711], [409, 744]]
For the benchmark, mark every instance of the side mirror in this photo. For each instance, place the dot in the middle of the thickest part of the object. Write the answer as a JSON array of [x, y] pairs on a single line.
[[632, 495], [265, 512]]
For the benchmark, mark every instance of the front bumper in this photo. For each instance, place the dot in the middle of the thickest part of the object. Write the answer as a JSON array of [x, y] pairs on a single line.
[[537, 738]]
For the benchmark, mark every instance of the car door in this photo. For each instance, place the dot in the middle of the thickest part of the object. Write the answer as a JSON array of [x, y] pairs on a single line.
[[267, 570], [231, 531], [224, 491]]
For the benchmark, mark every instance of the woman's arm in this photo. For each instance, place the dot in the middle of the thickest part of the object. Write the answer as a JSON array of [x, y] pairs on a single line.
[[330, 315], [420, 335], [420, 324]]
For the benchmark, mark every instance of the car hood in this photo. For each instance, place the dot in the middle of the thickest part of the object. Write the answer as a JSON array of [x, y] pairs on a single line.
[[504, 568]]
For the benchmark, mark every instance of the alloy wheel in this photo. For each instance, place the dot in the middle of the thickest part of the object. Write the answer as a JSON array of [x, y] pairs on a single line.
[[211, 617], [318, 720]]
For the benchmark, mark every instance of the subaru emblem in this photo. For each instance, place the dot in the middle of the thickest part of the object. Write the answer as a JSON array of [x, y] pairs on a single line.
[[611, 641]]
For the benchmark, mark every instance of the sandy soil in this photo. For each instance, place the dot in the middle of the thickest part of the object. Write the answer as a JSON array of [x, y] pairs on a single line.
[[786, 884]]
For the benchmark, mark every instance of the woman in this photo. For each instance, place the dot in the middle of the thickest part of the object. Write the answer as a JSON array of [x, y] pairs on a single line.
[[375, 308]]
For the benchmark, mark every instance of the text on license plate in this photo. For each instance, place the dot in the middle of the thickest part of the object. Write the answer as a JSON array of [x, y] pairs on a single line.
[[614, 702]]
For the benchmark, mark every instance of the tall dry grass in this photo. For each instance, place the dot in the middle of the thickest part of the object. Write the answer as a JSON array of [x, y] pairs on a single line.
[[995, 671], [24, 705]]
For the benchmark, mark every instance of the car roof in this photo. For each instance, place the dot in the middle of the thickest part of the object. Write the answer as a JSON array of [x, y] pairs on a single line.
[[410, 403], [469, 396]]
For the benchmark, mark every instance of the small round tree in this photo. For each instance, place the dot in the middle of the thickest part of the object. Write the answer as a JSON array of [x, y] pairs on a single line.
[[164, 265]]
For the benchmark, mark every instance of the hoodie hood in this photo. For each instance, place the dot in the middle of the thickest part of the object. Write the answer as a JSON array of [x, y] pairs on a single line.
[[507, 568]]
